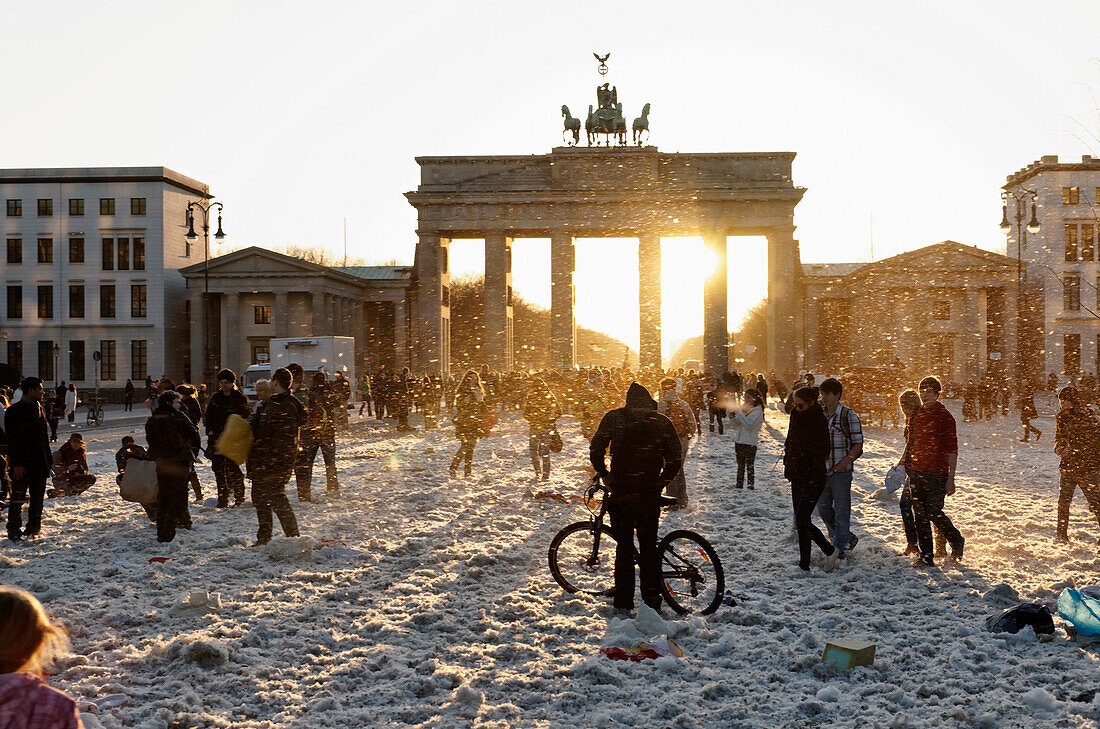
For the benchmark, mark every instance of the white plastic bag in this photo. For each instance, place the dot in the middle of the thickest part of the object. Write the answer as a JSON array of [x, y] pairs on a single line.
[[139, 482], [895, 479]]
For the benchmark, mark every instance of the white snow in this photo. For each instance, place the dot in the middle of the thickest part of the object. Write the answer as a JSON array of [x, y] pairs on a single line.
[[442, 612]]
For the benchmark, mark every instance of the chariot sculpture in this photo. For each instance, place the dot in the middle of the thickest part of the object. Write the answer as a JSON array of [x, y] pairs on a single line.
[[606, 118]]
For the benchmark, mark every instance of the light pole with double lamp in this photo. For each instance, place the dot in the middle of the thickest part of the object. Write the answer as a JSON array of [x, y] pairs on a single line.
[[207, 366], [1020, 199]]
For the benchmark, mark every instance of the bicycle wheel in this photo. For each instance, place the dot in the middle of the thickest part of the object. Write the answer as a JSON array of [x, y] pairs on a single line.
[[692, 580], [573, 564]]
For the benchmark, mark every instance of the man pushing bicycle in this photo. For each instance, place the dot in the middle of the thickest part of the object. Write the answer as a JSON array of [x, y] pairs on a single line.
[[645, 457]]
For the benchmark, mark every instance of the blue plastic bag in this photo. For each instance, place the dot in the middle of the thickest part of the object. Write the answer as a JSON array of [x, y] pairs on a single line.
[[1080, 610]]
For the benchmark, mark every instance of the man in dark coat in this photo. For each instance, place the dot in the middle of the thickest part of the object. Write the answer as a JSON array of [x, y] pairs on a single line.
[[228, 400], [29, 459], [275, 427], [172, 439], [645, 456], [805, 454], [318, 432]]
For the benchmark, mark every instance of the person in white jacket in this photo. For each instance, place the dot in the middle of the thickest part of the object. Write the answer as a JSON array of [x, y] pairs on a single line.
[[748, 419], [71, 400]]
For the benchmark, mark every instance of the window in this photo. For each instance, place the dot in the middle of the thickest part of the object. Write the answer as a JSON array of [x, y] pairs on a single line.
[[139, 254], [1071, 242], [15, 356], [1088, 241], [123, 254], [108, 254], [137, 206], [1071, 353], [45, 250], [261, 315], [1071, 293], [76, 206], [45, 302], [139, 359], [76, 250], [1071, 195], [76, 361], [45, 360], [107, 359], [15, 302], [106, 206], [941, 310], [15, 250], [138, 306], [76, 301], [15, 208], [107, 301], [45, 208]]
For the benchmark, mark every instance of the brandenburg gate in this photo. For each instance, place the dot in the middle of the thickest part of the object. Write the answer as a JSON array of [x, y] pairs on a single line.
[[592, 192]]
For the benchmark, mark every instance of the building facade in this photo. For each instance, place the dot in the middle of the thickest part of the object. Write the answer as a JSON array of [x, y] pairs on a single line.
[[256, 295], [90, 267], [945, 309], [1062, 266]]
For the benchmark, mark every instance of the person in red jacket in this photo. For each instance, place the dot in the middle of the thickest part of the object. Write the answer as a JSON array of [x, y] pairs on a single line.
[[932, 452]]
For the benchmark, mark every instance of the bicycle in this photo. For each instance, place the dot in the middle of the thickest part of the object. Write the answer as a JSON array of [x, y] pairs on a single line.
[[692, 579], [95, 412]]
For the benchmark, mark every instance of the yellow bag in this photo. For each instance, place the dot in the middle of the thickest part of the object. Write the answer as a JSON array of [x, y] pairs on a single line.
[[236, 440]]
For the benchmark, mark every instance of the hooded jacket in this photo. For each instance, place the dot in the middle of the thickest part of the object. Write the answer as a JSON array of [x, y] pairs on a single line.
[[807, 446], [645, 450]]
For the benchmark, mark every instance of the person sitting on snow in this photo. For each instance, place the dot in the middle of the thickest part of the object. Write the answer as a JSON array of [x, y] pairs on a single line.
[[70, 465]]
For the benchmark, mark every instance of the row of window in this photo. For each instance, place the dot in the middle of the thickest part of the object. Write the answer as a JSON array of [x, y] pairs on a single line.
[[108, 371], [116, 252], [1071, 352], [1080, 241], [139, 304], [1071, 292], [76, 207]]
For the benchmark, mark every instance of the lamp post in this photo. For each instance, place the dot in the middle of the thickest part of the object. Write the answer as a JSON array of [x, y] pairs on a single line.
[[219, 235], [56, 357], [1020, 199]]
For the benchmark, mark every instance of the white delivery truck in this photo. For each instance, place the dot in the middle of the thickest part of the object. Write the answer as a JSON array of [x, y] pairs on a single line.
[[316, 354]]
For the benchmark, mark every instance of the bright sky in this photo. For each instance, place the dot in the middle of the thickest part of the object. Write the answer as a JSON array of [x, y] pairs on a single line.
[[301, 114]]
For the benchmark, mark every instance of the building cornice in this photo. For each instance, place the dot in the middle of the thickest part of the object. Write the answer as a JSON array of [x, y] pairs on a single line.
[[101, 175], [1050, 163]]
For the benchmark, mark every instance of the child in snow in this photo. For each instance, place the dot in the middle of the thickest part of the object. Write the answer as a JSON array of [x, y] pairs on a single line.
[[28, 641]]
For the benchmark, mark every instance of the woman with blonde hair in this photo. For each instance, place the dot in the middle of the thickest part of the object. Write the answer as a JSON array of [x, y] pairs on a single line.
[[468, 419], [28, 643]]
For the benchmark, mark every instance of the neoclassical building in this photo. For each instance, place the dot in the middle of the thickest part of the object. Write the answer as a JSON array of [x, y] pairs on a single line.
[[256, 295], [945, 309]]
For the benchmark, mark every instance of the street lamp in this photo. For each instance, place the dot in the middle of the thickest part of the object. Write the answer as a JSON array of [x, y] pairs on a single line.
[[56, 356], [219, 235], [1020, 199]]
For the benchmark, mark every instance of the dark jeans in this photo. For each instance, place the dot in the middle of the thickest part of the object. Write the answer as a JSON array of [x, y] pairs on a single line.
[[34, 486], [303, 468], [228, 476], [171, 499], [268, 497], [1068, 483], [626, 519], [805, 495], [927, 491], [717, 414], [129, 403], [53, 428], [746, 463], [466, 450], [538, 443]]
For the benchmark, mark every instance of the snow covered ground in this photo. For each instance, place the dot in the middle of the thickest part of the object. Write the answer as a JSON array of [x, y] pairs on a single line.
[[437, 608]]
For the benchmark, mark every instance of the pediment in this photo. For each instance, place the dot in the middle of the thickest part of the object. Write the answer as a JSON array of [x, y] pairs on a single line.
[[946, 256], [255, 260]]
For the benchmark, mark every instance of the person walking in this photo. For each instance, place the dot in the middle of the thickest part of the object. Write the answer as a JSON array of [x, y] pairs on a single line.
[[748, 419], [932, 453], [54, 410], [72, 399], [845, 446], [275, 431], [645, 456], [468, 419], [226, 401], [172, 439], [805, 454], [909, 401], [1028, 413], [1076, 434], [29, 459], [341, 390], [680, 414], [192, 410], [318, 433], [128, 397], [365, 396], [5, 484], [541, 411]]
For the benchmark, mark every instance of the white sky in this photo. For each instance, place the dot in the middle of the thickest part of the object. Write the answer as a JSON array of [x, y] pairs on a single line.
[[301, 114]]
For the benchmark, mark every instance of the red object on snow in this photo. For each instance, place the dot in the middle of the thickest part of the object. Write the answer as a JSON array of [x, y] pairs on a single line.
[[162, 560], [618, 654]]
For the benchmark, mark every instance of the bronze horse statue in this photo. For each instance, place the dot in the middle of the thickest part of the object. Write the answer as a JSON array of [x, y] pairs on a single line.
[[641, 124], [572, 124]]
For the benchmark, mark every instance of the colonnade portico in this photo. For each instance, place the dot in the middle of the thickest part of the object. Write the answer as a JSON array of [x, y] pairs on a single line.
[[591, 193]]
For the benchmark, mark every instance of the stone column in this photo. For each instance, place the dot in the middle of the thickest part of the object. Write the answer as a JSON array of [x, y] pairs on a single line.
[[497, 346], [400, 338], [562, 332], [433, 277], [1011, 353], [317, 303], [282, 314], [784, 315], [649, 301], [198, 334], [357, 331], [715, 329], [231, 357]]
